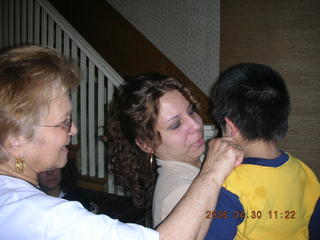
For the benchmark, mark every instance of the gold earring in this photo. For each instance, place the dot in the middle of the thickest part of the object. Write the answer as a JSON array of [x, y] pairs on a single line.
[[151, 159], [20, 165]]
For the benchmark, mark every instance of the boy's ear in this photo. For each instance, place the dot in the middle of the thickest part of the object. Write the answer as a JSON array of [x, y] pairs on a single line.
[[144, 146], [231, 129]]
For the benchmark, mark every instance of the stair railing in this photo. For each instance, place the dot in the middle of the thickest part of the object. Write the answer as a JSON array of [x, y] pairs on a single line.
[[38, 22]]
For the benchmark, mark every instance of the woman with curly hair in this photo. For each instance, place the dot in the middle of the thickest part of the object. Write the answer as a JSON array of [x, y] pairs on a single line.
[[156, 115]]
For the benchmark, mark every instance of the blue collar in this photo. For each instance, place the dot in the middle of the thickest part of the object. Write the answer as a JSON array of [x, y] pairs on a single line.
[[276, 162]]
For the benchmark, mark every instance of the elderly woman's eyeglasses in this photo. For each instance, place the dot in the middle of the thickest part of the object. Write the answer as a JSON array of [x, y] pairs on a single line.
[[66, 125]]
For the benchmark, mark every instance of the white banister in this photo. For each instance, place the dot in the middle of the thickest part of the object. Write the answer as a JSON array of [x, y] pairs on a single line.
[[110, 73]]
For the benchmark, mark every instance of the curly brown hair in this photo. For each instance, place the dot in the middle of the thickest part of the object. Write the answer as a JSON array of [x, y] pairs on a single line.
[[133, 116]]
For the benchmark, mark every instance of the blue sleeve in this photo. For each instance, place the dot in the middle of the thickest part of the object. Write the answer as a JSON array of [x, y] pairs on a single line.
[[228, 215], [314, 224]]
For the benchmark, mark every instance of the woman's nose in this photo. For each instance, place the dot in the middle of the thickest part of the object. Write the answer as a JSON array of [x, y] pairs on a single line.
[[73, 130], [195, 123]]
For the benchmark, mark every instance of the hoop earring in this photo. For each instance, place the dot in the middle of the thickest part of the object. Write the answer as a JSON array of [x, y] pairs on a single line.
[[151, 159], [20, 165]]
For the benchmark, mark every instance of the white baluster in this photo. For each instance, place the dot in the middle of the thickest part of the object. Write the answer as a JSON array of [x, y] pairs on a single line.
[[44, 27], [74, 93], [110, 183], [66, 45], [50, 33], [58, 38], [101, 124], [91, 118], [83, 114]]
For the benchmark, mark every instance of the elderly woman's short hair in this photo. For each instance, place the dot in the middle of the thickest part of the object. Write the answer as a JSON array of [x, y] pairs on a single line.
[[30, 78]]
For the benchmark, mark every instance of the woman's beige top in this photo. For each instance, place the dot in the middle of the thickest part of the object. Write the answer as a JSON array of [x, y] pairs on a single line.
[[173, 181]]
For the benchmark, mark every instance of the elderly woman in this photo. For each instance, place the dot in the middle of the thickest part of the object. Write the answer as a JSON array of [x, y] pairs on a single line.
[[35, 129]]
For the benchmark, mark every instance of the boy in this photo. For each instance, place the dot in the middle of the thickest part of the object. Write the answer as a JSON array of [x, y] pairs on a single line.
[[272, 194]]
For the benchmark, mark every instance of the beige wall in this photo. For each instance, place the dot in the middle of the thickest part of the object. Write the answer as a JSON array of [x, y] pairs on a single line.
[[186, 32], [286, 35]]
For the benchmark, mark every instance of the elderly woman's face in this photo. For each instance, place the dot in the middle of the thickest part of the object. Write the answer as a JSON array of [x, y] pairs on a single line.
[[181, 129], [47, 149]]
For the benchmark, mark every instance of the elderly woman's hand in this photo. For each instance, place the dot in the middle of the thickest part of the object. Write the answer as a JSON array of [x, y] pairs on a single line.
[[224, 154]]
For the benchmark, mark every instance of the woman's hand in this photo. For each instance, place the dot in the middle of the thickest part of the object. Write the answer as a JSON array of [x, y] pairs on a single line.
[[223, 155], [187, 220]]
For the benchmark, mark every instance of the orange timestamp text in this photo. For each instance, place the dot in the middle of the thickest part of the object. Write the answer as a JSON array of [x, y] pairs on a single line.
[[272, 214]]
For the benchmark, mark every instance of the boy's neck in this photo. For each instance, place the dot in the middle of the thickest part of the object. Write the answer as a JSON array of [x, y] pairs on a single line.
[[261, 149]]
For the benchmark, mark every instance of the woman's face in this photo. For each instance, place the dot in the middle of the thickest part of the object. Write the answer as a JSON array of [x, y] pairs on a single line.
[[181, 129], [47, 149]]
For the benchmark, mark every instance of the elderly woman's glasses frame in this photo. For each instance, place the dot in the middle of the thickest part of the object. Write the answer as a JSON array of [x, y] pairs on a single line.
[[67, 124]]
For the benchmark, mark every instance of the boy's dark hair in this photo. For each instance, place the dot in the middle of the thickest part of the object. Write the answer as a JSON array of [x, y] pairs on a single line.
[[255, 98]]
